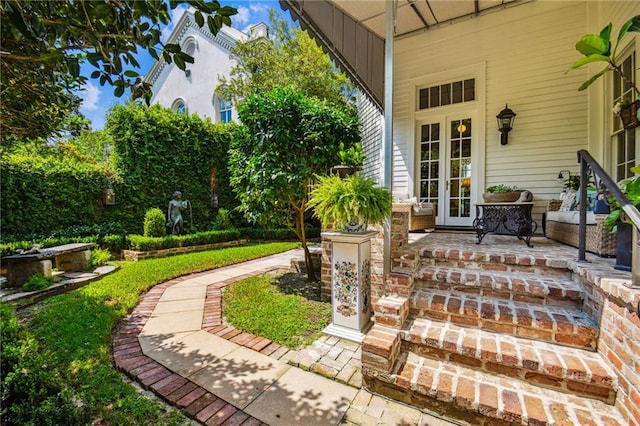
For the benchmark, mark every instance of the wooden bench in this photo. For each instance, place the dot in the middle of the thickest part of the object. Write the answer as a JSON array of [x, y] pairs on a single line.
[[68, 257]]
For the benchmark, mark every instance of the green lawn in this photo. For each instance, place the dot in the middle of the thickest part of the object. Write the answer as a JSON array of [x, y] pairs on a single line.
[[258, 305], [73, 332]]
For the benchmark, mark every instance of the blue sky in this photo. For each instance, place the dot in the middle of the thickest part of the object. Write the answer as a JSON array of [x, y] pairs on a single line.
[[96, 99]]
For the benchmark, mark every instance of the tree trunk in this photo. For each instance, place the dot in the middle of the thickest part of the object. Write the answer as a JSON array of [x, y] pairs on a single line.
[[302, 236]]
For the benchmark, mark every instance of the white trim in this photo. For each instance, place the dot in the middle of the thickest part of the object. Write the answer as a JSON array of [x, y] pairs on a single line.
[[475, 109], [176, 104]]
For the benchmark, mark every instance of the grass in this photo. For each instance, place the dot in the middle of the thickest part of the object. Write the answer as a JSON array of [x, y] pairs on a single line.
[[257, 305], [74, 330]]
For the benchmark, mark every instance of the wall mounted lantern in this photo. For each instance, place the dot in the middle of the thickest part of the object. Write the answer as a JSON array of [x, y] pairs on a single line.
[[109, 196], [505, 124]]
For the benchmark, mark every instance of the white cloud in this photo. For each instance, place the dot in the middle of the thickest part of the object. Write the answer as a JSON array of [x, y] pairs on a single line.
[[260, 8], [242, 17], [90, 97]]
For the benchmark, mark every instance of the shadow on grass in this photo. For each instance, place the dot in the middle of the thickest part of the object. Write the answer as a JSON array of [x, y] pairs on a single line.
[[298, 284]]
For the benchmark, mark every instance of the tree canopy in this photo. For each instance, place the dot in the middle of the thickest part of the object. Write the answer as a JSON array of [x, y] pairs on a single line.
[[44, 43], [289, 57], [288, 139]]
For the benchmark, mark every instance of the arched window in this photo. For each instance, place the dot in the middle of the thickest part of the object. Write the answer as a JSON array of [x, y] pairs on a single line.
[[225, 110], [190, 46], [179, 106]]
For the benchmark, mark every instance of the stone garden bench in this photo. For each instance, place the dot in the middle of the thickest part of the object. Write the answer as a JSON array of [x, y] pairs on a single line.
[[68, 257]]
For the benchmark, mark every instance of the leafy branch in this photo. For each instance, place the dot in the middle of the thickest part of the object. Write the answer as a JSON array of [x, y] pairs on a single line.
[[597, 48]]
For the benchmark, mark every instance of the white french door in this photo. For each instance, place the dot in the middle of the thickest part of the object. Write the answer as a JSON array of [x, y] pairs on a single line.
[[445, 167]]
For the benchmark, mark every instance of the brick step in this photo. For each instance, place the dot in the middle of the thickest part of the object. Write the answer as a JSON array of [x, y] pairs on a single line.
[[537, 289], [482, 399], [561, 368], [564, 326], [539, 264]]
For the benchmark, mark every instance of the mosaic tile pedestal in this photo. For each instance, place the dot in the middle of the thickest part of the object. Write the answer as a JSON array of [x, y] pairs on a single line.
[[350, 284]]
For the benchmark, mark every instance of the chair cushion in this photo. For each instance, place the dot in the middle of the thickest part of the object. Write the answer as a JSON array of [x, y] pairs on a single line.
[[421, 209]]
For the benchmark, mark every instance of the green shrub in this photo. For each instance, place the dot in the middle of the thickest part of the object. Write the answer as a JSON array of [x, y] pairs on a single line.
[[142, 243], [115, 243], [37, 282], [154, 223], [223, 219], [33, 392], [99, 257]]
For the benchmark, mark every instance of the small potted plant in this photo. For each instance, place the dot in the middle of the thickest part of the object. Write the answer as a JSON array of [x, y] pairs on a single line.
[[627, 111], [501, 194], [349, 204], [617, 221], [351, 160]]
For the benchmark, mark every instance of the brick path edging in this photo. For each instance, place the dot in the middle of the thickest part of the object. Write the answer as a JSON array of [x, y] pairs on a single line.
[[194, 401]]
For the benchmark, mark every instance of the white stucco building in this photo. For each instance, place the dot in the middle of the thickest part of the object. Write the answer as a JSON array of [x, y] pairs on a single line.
[[193, 91]]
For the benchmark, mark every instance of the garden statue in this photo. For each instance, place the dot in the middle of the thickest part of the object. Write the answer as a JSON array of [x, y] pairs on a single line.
[[174, 214]]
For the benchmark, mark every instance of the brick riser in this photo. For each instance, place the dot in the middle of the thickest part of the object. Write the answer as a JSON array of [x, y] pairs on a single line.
[[542, 290], [480, 261], [560, 368], [482, 399], [569, 327]]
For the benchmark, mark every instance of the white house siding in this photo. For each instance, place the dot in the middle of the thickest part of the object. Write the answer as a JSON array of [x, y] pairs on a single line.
[[371, 132], [211, 59], [524, 51]]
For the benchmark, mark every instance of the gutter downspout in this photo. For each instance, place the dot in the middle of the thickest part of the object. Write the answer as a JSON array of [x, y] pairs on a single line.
[[387, 159]]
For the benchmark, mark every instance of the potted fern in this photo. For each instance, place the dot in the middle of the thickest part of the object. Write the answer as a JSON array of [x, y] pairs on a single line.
[[349, 204]]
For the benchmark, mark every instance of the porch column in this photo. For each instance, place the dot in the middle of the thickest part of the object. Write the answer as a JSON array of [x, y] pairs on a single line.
[[387, 171]]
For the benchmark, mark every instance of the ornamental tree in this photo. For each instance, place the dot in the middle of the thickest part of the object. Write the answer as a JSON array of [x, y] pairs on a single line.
[[287, 138], [289, 57], [44, 43]]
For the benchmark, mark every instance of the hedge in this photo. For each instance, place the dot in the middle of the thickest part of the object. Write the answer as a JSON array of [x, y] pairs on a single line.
[[157, 152], [43, 189]]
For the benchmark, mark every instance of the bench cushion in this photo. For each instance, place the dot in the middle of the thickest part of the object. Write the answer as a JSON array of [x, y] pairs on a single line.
[[572, 217]]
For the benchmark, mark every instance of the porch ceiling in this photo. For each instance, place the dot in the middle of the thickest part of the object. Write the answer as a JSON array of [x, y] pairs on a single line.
[[353, 32], [416, 15]]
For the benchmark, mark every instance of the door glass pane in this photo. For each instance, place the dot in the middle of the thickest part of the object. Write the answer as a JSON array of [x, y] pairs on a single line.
[[429, 168], [460, 169], [445, 93], [454, 208], [457, 92], [434, 96], [435, 132], [423, 99], [469, 90]]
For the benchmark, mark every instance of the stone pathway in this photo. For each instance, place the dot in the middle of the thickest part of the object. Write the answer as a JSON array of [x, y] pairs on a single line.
[[176, 343]]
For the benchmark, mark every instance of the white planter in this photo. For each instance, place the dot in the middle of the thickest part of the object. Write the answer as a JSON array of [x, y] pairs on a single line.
[[350, 284]]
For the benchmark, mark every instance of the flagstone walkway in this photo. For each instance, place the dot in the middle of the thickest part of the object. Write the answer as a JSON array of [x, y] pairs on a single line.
[[176, 344]]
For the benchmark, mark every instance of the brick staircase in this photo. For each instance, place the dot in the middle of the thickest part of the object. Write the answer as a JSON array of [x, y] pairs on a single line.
[[489, 338]]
